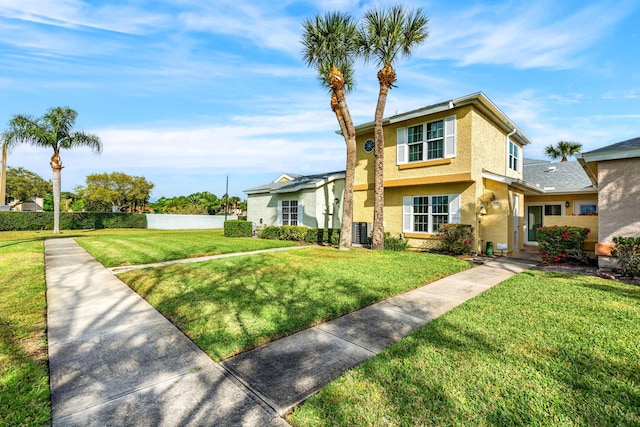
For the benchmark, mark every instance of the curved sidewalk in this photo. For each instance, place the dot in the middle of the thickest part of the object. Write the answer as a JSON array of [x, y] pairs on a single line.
[[114, 360]]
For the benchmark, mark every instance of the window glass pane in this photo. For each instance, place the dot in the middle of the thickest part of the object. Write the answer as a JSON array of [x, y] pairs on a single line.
[[588, 209], [440, 204], [421, 223], [435, 149], [414, 133], [421, 205], [435, 130], [438, 221], [553, 210], [415, 152]]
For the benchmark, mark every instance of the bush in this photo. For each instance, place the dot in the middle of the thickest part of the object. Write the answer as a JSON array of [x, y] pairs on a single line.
[[395, 243], [627, 251], [561, 244], [300, 234], [22, 221], [455, 239], [238, 228]]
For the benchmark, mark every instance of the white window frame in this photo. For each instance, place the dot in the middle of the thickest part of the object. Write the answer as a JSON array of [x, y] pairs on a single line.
[[448, 141], [281, 213], [577, 204], [408, 216], [514, 160]]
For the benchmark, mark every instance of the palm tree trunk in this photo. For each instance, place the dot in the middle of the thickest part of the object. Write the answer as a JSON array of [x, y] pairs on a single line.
[[350, 170], [3, 176], [56, 167], [377, 237]]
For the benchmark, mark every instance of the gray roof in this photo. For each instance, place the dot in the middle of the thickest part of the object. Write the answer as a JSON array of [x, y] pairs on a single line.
[[299, 182], [556, 176], [629, 144]]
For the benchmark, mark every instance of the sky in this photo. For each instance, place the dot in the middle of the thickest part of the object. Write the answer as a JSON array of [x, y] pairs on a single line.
[[188, 93]]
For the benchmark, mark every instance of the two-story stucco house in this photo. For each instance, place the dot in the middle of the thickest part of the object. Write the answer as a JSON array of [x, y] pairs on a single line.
[[459, 161]]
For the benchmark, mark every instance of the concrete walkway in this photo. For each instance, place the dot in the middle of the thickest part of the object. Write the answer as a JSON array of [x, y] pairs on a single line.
[[114, 360]]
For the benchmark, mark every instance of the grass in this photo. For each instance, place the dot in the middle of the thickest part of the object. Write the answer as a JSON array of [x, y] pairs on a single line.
[[230, 305], [24, 377], [148, 246], [540, 349]]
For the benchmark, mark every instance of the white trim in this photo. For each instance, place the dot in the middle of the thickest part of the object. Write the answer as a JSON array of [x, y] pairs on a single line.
[[449, 149], [402, 150]]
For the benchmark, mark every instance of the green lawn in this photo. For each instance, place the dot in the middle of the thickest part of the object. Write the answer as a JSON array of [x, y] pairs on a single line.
[[539, 349], [24, 376], [148, 246], [230, 305]]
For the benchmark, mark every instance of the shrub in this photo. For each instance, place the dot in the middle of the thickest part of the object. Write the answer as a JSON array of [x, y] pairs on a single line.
[[395, 243], [22, 221], [296, 233], [561, 244], [238, 228], [627, 251], [300, 234], [455, 239]]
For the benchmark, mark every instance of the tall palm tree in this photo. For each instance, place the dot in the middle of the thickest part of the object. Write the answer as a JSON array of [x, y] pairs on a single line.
[[563, 149], [330, 45], [384, 36], [3, 171], [53, 130]]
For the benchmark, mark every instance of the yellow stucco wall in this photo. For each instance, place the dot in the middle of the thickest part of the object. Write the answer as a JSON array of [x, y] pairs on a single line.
[[480, 144], [561, 199]]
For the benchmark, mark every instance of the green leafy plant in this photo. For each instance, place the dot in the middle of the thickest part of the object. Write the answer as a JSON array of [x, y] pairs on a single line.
[[237, 228], [456, 239], [23, 221], [627, 252], [398, 243], [561, 244]]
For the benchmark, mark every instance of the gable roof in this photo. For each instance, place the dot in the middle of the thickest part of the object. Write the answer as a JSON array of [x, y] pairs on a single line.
[[297, 183], [479, 100], [556, 177]]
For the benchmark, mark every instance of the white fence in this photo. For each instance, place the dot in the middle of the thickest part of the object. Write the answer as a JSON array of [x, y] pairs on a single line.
[[186, 222]]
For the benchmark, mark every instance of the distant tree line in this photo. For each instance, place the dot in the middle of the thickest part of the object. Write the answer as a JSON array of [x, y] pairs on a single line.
[[106, 192]]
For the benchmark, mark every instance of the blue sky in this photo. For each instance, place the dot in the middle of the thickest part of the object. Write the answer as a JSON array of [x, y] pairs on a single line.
[[186, 92]]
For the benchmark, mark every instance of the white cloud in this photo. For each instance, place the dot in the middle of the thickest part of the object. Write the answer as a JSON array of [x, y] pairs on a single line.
[[526, 35]]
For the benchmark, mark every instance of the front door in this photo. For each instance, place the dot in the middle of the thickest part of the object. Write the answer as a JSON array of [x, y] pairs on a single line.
[[534, 221]]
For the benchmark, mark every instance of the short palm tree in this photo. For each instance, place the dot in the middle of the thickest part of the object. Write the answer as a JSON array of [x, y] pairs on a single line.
[[563, 149], [330, 45], [384, 36], [53, 130]]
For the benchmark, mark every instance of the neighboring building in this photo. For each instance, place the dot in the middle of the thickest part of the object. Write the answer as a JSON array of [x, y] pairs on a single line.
[[459, 161], [560, 193], [615, 170], [312, 200], [33, 205]]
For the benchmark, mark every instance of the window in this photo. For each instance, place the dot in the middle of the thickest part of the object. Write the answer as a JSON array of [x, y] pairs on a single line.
[[553, 210], [427, 141], [585, 207], [289, 212], [514, 156], [426, 214]]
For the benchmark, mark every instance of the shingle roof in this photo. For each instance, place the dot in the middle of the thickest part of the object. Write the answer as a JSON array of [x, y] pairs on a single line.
[[629, 144], [556, 176], [300, 182]]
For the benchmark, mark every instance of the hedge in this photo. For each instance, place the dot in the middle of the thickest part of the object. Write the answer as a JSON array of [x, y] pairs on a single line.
[[238, 228], [560, 244], [300, 234], [627, 253], [22, 221]]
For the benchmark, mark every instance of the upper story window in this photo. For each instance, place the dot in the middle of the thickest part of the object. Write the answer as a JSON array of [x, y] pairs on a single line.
[[427, 141], [514, 156]]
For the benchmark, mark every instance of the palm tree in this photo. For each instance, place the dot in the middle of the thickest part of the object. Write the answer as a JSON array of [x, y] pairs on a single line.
[[54, 130], [384, 36], [3, 171], [330, 45], [563, 150]]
